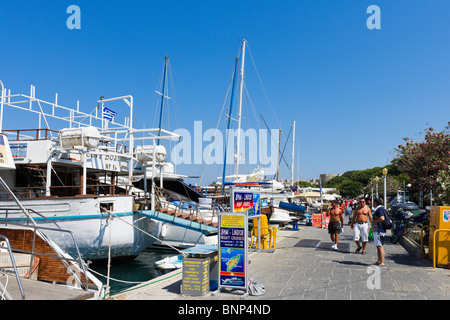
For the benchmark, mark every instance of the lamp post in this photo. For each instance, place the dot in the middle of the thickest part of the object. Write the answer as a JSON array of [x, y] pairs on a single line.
[[385, 171], [376, 184]]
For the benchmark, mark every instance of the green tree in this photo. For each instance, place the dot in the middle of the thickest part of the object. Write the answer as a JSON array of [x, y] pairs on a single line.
[[349, 188], [335, 181]]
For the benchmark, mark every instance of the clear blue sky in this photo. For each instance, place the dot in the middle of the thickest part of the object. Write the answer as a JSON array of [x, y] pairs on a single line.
[[354, 92]]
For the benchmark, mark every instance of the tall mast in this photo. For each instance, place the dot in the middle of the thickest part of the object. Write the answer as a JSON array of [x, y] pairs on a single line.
[[166, 58], [236, 171], [230, 113], [293, 155]]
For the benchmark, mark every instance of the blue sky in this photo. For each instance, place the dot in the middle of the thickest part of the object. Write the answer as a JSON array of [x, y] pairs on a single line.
[[354, 92]]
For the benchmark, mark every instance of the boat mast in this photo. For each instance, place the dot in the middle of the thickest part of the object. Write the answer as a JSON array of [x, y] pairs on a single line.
[[293, 154], [236, 171], [278, 160], [166, 58], [230, 112]]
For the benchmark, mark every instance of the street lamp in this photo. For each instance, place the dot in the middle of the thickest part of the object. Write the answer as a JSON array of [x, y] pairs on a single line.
[[376, 183], [385, 171]]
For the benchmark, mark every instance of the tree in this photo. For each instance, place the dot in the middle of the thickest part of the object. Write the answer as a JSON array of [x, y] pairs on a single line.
[[349, 188], [444, 187], [304, 184], [335, 181], [427, 162]]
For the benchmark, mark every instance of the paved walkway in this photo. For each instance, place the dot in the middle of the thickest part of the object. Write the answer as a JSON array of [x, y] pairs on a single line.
[[302, 273]]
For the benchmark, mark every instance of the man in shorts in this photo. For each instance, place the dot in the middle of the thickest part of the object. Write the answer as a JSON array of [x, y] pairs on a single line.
[[335, 224], [378, 230], [360, 226]]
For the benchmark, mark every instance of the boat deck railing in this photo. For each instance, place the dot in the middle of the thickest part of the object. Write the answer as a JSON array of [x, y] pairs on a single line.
[[25, 135], [33, 252], [65, 191], [185, 209]]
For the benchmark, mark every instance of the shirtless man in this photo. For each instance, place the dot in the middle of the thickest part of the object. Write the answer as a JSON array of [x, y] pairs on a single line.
[[335, 224], [360, 226]]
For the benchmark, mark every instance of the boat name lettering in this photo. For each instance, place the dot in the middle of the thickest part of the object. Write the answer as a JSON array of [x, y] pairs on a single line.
[[101, 156]]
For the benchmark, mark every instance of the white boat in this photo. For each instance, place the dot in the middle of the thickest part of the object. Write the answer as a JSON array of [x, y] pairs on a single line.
[[78, 178]]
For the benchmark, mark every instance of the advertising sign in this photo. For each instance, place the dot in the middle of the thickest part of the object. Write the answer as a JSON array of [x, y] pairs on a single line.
[[317, 220], [256, 204], [233, 250], [233, 240], [242, 200]]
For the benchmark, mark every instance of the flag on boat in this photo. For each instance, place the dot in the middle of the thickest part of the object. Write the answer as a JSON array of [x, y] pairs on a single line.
[[108, 114]]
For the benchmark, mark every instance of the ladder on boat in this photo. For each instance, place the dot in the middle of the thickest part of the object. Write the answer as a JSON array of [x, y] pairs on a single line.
[[182, 214]]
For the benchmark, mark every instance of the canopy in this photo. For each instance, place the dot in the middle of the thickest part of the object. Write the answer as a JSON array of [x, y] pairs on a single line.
[[309, 194]]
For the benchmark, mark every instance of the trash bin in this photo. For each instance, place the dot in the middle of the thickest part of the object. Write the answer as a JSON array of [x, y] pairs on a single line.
[[199, 270], [440, 240], [195, 279]]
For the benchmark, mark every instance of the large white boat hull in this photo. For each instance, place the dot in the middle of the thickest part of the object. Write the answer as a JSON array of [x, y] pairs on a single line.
[[94, 232]]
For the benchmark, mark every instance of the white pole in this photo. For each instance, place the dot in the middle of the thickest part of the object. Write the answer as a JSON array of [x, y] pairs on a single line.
[[293, 155], [109, 255], [153, 175], [130, 169], [240, 109], [1, 108]]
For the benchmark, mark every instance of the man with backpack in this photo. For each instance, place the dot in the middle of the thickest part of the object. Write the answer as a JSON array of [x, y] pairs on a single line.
[[380, 222]]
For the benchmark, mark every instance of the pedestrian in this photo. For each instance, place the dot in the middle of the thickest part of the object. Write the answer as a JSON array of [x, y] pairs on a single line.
[[378, 231], [336, 223], [360, 227], [348, 212]]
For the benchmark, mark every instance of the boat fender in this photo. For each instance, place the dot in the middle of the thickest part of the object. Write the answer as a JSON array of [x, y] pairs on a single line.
[[164, 228]]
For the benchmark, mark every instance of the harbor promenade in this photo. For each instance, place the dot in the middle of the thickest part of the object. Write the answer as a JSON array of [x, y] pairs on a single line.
[[310, 270]]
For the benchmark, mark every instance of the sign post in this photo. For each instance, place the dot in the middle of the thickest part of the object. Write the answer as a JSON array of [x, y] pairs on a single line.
[[233, 241]]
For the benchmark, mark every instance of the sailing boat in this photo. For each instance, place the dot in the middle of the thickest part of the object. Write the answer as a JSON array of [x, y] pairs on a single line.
[[273, 189], [171, 195], [257, 174]]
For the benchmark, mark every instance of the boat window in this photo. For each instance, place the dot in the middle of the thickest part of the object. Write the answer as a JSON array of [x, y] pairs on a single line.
[[18, 150], [106, 207]]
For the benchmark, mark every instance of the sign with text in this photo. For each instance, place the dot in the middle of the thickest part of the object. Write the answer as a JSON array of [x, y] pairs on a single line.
[[195, 279], [242, 200], [233, 245]]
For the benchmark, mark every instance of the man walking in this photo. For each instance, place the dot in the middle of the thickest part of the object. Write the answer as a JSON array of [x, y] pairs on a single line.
[[335, 224], [360, 226], [378, 230]]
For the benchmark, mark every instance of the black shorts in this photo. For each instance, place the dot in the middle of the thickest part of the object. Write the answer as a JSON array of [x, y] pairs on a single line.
[[334, 227]]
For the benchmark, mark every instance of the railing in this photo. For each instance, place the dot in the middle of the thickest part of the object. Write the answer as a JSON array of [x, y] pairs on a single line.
[[64, 260], [434, 240], [16, 272], [20, 135], [64, 191], [46, 134], [7, 211], [44, 237], [183, 207]]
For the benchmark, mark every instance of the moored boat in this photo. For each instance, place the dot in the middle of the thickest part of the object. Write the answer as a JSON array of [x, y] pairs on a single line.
[[78, 178]]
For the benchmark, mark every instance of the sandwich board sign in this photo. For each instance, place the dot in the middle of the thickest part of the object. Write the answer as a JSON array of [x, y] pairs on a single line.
[[233, 241]]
